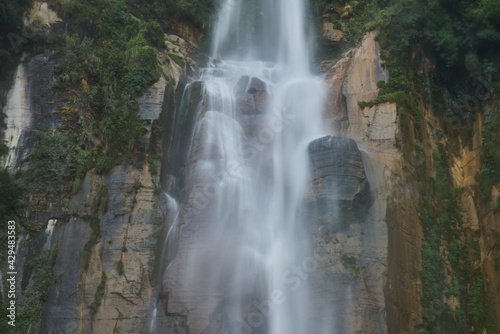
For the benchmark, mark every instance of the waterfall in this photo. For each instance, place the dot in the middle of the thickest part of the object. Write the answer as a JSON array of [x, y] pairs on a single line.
[[19, 118], [244, 254]]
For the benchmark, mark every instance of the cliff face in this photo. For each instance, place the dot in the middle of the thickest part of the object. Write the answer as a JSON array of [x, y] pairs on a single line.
[[389, 244], [350, 205], [110, 234], [417, 164], [106, 236], [32, 106]]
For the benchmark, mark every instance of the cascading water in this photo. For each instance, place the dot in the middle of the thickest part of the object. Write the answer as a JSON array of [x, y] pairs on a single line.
[[243, 256]]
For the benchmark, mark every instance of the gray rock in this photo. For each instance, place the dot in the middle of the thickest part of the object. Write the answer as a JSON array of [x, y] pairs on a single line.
[[337, 169], [252, 95]]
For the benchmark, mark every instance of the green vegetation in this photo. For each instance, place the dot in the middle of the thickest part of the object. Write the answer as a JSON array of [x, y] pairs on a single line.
[[200, 12], [153, 167], [461, 37], [113, 62], [28, 315], [477, 304], [95, 233], [99, 295], [434, 51], [489, 175], [11, 191], [100, 201], [11, 16], [114, 65], [362, 14], [58, 159], [177, 59], [351, 264], [120, 267], [441, 220], [348, 260]]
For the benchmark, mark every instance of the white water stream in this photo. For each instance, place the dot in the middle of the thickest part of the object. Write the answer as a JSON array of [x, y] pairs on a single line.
[[260, 108]]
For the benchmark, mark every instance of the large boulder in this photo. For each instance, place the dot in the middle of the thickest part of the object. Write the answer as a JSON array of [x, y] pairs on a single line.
[[337, 169]]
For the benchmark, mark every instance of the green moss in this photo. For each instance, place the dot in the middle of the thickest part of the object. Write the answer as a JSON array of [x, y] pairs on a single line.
[[348, 260], [199, 12], [453, 288], [14, 36], [351, 264], [477, 305], [120, 267], [11, 191], [57, 160], [489, 175], [177, 59], [153, 167], [397, 97], [441, 220], [95, 233], [432, 274], [100, 201], [173, 42], [154, 34], [99, 295], [28, 315], [114, 67]]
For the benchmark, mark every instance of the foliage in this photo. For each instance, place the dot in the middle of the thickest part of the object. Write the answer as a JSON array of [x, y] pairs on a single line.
[[489, 175], [177, 59], [200, 12], [448, 213], [120, 268], [100, 201], [432, 274], [154, 34], [476, 300], [460, 47], [348, 260], [153, 167], [28, 315], [11, 191], [11, 18], [463, 35], [115, 64], [362, 18], [441, 220], [95, 233], [351, 264], [99, 295], [57, 158]]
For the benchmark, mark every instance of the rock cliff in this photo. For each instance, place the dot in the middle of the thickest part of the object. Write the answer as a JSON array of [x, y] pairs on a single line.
[[108, 237]]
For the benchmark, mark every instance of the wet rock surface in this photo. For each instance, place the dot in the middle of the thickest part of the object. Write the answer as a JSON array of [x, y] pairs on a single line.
[[337, 169], [252, 95], [112, 225], [33, 105]]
